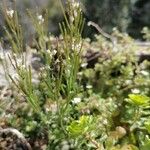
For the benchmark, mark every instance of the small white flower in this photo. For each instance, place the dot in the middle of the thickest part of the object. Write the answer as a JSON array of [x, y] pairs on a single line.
[[71, 18], [54, 52], [75, 5], [80, 73], [10, 13], [76, 100], [76, 46], [115, 106], [75, 14], [110, 99], [128, 82], [135, 91], [105, 122], [145, 73], [42, 68], [51, 38], [41, 19], [84, 65], [89, 86], [57, 61], [48, 51], [44, 75]]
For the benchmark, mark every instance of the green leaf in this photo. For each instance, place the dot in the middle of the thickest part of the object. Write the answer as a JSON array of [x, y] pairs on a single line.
[[146, 146], [147, 126], [79, 127], [138, 99]]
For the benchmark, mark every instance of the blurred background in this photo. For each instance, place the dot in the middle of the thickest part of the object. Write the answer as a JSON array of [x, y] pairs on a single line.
[[127, 15]]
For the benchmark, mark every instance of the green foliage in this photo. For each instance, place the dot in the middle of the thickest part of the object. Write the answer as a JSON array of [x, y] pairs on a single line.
[[79, 127], [13, 29], [146, 145], [139, 99], [103, 107], [146, 32]]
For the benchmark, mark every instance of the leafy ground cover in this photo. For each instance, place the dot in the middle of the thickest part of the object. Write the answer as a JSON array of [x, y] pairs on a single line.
[[72, 93]]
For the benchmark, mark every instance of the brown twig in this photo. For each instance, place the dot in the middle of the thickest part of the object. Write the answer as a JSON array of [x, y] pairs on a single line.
[[100, 30]]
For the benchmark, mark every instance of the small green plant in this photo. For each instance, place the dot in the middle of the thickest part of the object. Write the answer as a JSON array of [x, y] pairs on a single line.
[[146, 33], [13, 28], [139, 99], [87, 128], [58, 78]]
